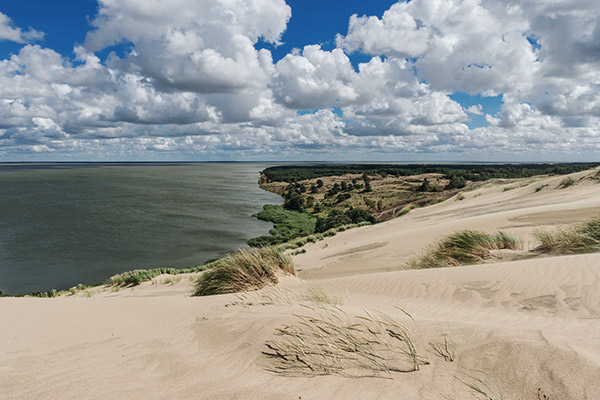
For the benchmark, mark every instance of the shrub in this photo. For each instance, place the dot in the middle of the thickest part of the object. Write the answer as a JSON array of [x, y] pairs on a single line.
[[244, 270], [287, 225]]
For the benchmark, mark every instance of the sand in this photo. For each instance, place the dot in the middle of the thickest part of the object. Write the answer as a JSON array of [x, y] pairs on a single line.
[[526, 329]]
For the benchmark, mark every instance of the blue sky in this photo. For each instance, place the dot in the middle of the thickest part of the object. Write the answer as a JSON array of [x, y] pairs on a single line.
[[303, 79]]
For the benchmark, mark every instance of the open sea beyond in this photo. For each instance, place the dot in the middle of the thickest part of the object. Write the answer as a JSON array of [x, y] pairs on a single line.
[[64, 224]]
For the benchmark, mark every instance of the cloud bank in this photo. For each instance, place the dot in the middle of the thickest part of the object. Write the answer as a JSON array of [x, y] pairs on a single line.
[[188, 79]]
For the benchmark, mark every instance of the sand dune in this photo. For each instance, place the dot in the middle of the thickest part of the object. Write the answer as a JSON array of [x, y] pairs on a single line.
[[524, 328], [390, 245]]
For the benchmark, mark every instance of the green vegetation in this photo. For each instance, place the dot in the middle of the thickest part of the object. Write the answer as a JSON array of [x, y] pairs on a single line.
[[471, 172], [338, 218], [584, 238], [136, 277], [465, 247], [406, 210], [566, 182], [288, 225], [297, 243], [244, 270]]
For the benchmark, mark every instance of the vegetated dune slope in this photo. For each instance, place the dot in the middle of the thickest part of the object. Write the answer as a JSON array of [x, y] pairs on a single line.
[[522, 329], [515, 208]]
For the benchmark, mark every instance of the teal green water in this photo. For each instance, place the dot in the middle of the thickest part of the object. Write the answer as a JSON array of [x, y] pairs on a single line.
[[63, 224]]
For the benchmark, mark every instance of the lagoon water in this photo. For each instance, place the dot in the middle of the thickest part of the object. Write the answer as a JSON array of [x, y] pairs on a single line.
[[63, 224]]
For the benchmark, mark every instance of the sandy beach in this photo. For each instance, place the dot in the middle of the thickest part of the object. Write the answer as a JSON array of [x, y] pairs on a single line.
[[517, 327]]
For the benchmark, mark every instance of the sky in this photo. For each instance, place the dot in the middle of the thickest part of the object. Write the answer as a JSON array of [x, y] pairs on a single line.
[[302, 80]]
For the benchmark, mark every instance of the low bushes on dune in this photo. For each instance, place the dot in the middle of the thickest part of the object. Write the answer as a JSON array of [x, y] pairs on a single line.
[[465, 247], [244, 270], [584, 238]]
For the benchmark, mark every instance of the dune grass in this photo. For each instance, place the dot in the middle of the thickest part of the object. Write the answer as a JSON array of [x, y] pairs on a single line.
[[480, 387], [584, 238], [406, 210], [320, 296], [566, 182], [463, 248], [446, 349], [138, 276], [334, 343], [244, 270]]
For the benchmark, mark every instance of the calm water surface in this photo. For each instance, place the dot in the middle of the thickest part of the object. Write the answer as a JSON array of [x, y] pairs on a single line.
[[62, 224]]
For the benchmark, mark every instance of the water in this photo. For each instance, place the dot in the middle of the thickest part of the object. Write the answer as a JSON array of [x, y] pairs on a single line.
[[63, 224]]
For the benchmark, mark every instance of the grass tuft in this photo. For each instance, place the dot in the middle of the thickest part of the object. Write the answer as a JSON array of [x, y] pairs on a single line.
[[480, 387], [584, 238], [566, 182], [244, 270], [406, 210], [445, 350], [463, 248], [320, 296], [334, 343]]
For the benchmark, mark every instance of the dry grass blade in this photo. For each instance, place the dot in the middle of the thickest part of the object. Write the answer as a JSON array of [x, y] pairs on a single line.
[[318, 295], [445, 350], [479, 388], [331, 342]]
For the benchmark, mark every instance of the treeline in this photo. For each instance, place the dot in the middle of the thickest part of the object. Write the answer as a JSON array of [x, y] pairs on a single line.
[[471, 172]]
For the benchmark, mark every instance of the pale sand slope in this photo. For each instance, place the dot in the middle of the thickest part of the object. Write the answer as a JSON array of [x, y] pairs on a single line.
[[527, 325], [388, 246]]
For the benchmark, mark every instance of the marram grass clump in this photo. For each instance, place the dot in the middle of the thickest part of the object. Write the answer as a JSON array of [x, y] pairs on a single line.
[[244, 270], [465, 247], [584, 238]]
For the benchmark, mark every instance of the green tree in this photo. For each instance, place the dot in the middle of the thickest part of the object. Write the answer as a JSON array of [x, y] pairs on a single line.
[[294, 202], [456, 182], [424, 187], [317, 208]]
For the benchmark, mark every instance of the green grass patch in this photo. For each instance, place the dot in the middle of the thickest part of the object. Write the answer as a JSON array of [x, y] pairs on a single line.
[[288, 225], [566, 182], [244, 270], [406, 210], [584, 238], [463, 248]]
